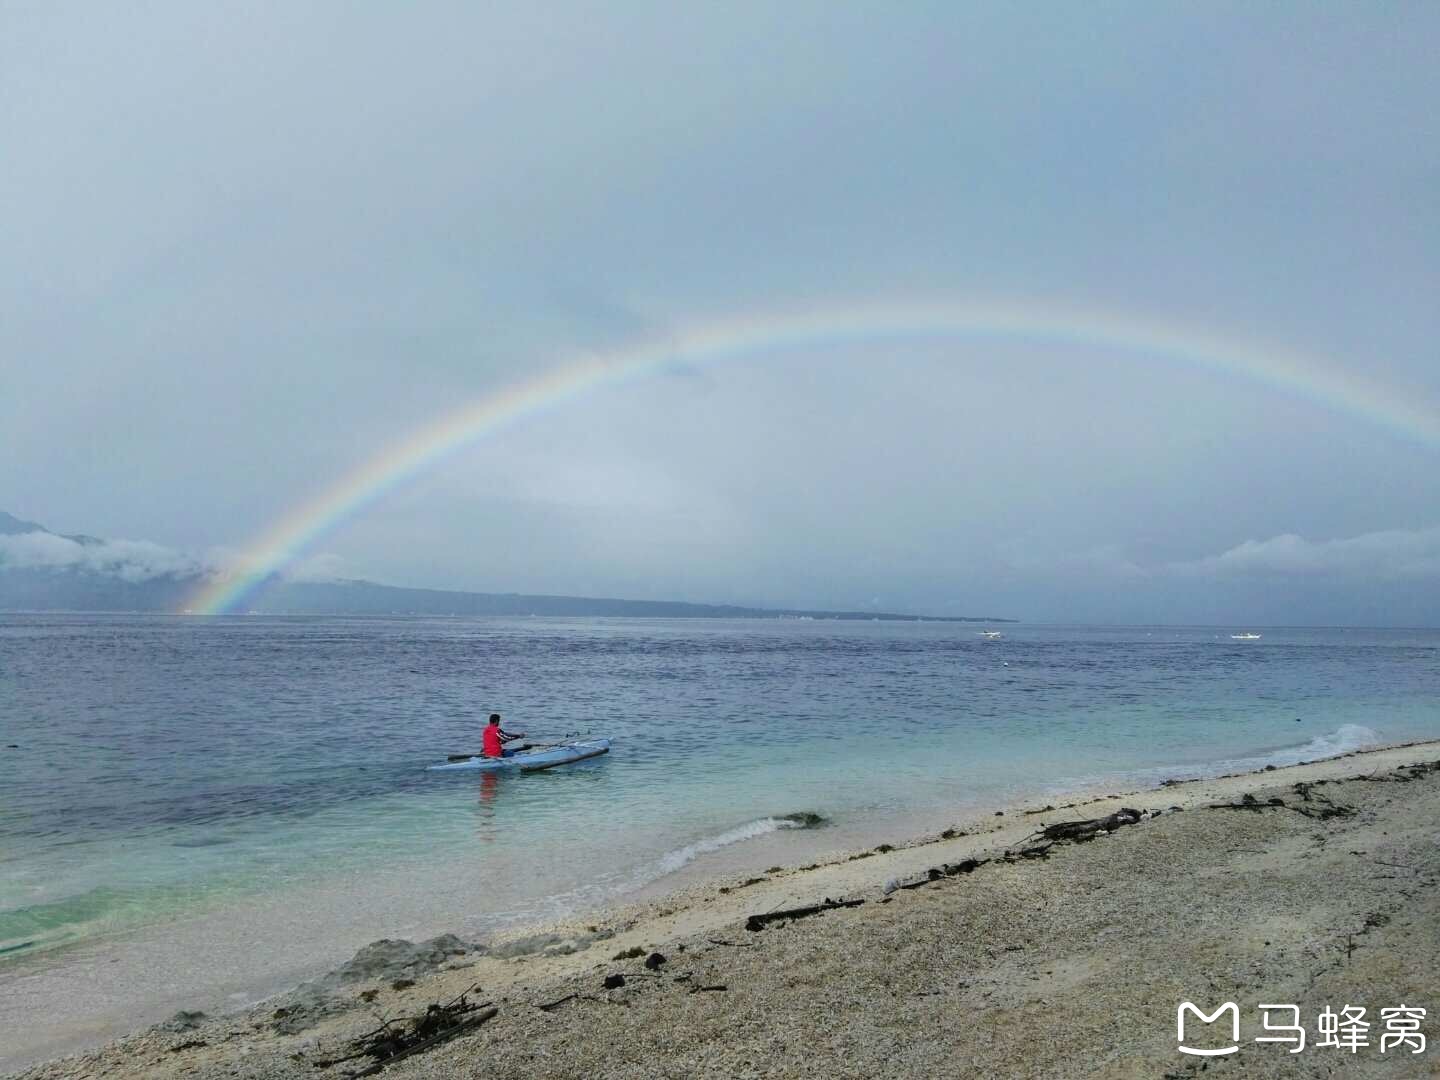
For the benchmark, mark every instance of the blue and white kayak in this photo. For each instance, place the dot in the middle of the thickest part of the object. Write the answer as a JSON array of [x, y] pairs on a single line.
[[533, 760]]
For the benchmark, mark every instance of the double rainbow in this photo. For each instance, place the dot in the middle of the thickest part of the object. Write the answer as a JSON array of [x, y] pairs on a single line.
[[1310, 377]]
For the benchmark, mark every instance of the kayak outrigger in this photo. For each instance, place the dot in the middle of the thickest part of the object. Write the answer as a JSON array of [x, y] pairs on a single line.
[[533, 760]]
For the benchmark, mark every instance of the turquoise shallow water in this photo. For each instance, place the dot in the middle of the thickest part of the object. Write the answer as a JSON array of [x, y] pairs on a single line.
[[166, 768]]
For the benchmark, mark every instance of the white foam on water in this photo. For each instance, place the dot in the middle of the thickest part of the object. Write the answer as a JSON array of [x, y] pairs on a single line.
[[1345, 739], [681, 857]]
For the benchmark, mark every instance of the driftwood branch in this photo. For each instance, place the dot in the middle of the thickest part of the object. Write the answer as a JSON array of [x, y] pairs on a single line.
[[439, 1037], [1248, 802], [759, 922], [1087, 830], [944, 870], [399, 1038], [1075, 832]]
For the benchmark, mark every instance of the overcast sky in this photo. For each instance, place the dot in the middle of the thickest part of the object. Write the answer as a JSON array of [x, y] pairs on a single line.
[[243, 247]]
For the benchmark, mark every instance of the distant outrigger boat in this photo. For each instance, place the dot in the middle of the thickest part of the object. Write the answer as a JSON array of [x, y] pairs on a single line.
[[1244, 637], [990, 635]]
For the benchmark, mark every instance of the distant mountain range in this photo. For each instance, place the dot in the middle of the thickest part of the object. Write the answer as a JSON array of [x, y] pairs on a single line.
[[45, 571]]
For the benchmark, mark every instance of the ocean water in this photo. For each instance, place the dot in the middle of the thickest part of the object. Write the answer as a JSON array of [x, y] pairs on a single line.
[[256, 787]]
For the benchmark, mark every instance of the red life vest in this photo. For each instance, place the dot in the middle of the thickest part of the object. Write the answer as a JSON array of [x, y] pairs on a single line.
[[490, 738]]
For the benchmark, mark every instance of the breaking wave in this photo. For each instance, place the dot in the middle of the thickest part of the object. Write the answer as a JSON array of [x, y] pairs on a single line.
[[672, 861], [1343, 740]]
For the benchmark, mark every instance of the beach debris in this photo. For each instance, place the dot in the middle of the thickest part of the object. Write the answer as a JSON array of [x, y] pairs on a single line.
[[613, 982], [1321, 808], [557, 1002], [935, 873], [708, 989], [1247, 802], [885, 849], [1399, 775], [1042, 810], [193, 1044], [1080, 831], [1075, 832], [401, 1038], [1035, 851], [732, 944], [630, 954], [654, 961], [392, 961], [758, 922]]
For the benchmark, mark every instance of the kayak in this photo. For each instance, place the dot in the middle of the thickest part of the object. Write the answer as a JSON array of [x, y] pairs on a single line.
[[533, 760]]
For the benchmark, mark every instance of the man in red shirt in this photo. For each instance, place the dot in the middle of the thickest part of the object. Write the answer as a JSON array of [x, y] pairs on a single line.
[[493, 740]]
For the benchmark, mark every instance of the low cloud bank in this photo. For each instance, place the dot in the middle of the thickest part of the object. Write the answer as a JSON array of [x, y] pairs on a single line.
[[1389, 555], [1392, 555], [129, 560], [138, 561]]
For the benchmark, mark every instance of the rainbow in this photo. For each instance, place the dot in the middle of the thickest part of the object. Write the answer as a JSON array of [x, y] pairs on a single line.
[[1286, 370]]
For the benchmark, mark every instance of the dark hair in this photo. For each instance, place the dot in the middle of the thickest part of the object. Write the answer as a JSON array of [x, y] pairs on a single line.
[[494, 717]]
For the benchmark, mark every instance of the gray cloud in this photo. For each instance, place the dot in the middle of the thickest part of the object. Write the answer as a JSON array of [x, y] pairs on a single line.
[[1391, 555], [128, 560], [244, 251], [136, 561]]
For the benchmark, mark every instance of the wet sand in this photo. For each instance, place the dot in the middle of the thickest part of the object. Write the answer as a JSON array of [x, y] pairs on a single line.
[[1070, 961]]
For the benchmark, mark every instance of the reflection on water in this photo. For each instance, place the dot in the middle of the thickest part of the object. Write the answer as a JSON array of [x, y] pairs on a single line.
[[485, 824]]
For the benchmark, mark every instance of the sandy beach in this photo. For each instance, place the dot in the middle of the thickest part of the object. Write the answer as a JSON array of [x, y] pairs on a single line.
[[991, 951]]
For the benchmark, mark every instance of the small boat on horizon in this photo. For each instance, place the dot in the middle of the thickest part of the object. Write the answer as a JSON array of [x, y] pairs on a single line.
[[990, 635], [1245, 637]]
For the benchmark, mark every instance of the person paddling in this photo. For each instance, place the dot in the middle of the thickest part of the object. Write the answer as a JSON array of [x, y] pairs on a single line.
[[493, 740]]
